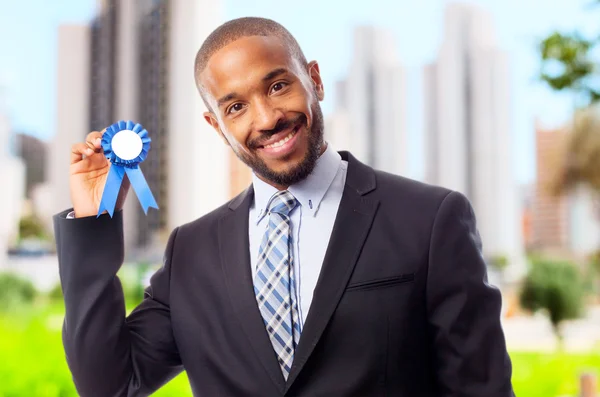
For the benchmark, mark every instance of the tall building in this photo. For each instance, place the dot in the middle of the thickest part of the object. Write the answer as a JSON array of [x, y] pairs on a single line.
[[372, 99], [527, 197], [584, 222], [199, 168], [338, 131], [240, 175], [103, 66], [12, 170], [113, 81], [152, 105], [550, 213], [33, 152], [468, 127], [72, 106]]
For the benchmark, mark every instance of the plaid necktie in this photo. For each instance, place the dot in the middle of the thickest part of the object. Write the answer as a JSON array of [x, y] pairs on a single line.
[[274, 284]]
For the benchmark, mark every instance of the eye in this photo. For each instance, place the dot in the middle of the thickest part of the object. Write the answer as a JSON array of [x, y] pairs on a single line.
[[278, 86], [236, 107]]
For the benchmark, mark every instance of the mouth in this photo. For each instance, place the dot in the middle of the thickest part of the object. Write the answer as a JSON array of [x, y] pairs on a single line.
[[284, 142]]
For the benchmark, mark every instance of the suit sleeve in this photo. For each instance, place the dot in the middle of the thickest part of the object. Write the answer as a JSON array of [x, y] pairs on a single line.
[[108, 353], [470, 355]]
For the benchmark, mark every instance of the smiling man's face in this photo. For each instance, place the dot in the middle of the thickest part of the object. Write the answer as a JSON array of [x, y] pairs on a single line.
[[265, 104]]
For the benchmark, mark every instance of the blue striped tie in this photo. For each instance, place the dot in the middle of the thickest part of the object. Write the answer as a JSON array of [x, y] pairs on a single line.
[[274, 284]]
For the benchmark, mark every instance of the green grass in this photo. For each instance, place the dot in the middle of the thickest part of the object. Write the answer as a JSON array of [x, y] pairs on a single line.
[[551, 375], [33, 362]]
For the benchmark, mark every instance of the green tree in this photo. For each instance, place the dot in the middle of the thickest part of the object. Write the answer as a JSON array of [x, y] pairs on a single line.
[[568, 66], [32, 227], [15, 291], [594, 272], [595, 262], [581, 162], [499, 262], [556, 288]]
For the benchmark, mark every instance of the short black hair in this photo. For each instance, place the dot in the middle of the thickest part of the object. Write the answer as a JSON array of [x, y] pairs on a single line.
[[235, 29]]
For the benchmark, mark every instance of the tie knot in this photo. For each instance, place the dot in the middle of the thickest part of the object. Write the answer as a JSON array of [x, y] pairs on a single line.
[[282, 202]]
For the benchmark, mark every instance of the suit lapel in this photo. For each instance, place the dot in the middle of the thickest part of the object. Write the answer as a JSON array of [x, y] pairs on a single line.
[[235, 254], [352, 225]]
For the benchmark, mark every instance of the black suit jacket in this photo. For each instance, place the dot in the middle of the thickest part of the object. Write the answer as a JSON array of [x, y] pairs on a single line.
[[402, 306]]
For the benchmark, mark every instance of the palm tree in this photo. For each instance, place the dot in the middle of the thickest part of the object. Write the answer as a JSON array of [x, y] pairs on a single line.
[[580, 164]]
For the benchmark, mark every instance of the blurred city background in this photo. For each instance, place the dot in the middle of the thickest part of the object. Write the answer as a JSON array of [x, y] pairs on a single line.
[[496, 99]]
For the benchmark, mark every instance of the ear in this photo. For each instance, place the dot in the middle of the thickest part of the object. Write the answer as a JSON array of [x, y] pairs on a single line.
[[315, 76], [212, 120]]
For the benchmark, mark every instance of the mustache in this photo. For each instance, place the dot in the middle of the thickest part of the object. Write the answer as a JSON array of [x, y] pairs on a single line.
[[281, 125]]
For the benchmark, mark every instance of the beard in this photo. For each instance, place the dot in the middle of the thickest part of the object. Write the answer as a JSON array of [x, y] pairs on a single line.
[[296, 172]]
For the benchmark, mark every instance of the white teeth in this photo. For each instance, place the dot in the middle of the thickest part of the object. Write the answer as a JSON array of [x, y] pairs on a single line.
[[281, 142]]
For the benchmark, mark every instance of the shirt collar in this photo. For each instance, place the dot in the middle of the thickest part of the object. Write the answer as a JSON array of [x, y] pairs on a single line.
[[309, 192]]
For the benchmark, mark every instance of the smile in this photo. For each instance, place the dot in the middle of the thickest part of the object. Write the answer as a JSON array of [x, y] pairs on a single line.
[[284, 140], [284, 145]]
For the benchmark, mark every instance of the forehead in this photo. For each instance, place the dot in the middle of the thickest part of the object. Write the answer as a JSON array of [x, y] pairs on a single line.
[[244, 62]]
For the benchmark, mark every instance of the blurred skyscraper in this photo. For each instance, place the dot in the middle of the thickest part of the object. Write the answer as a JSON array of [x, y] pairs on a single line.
[[199, 177], [549, 211], [72, 107], [468, 125], [140, 57], [337, 123], [240, 176], [584, 222], [33, 152], [12, 170], [103, 64], [370, 112]]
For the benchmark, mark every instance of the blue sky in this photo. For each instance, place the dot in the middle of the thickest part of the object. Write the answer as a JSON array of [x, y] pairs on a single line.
[[324, 30]]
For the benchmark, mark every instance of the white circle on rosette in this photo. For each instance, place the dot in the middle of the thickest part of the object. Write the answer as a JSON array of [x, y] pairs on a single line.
[[127, 144]]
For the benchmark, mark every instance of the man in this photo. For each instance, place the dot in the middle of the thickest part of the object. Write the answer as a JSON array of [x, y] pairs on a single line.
[[324, 278]]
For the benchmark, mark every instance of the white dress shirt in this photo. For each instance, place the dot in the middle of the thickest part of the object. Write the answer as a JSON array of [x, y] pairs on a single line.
[[319, 197]]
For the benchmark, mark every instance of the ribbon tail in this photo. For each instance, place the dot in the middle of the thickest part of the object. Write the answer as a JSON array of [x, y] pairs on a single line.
[[141, 188], [111, 190]]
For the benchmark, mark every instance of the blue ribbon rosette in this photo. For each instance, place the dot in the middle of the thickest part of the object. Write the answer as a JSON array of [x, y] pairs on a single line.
[[126, 145]]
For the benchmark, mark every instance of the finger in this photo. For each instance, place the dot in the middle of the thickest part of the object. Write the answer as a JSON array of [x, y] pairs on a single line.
[[95, 146], [94, 140], [78, 150], [90, 164]]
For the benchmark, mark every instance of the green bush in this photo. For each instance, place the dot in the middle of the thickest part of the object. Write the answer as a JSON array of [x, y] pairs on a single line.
[[556, 288], [32, 227], [56, 294], [594, 273], [15, 291], [498, 262], [132, 281]]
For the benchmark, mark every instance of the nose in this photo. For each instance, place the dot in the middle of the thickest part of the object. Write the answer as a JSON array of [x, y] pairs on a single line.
[[266, 115]]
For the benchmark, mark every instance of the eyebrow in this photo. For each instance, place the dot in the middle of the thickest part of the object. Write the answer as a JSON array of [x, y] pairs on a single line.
[[269, 76], [274, 73], [226, 98]]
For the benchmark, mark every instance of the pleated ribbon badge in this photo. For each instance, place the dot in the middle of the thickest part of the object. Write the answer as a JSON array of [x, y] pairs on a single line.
[[126, 145]]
